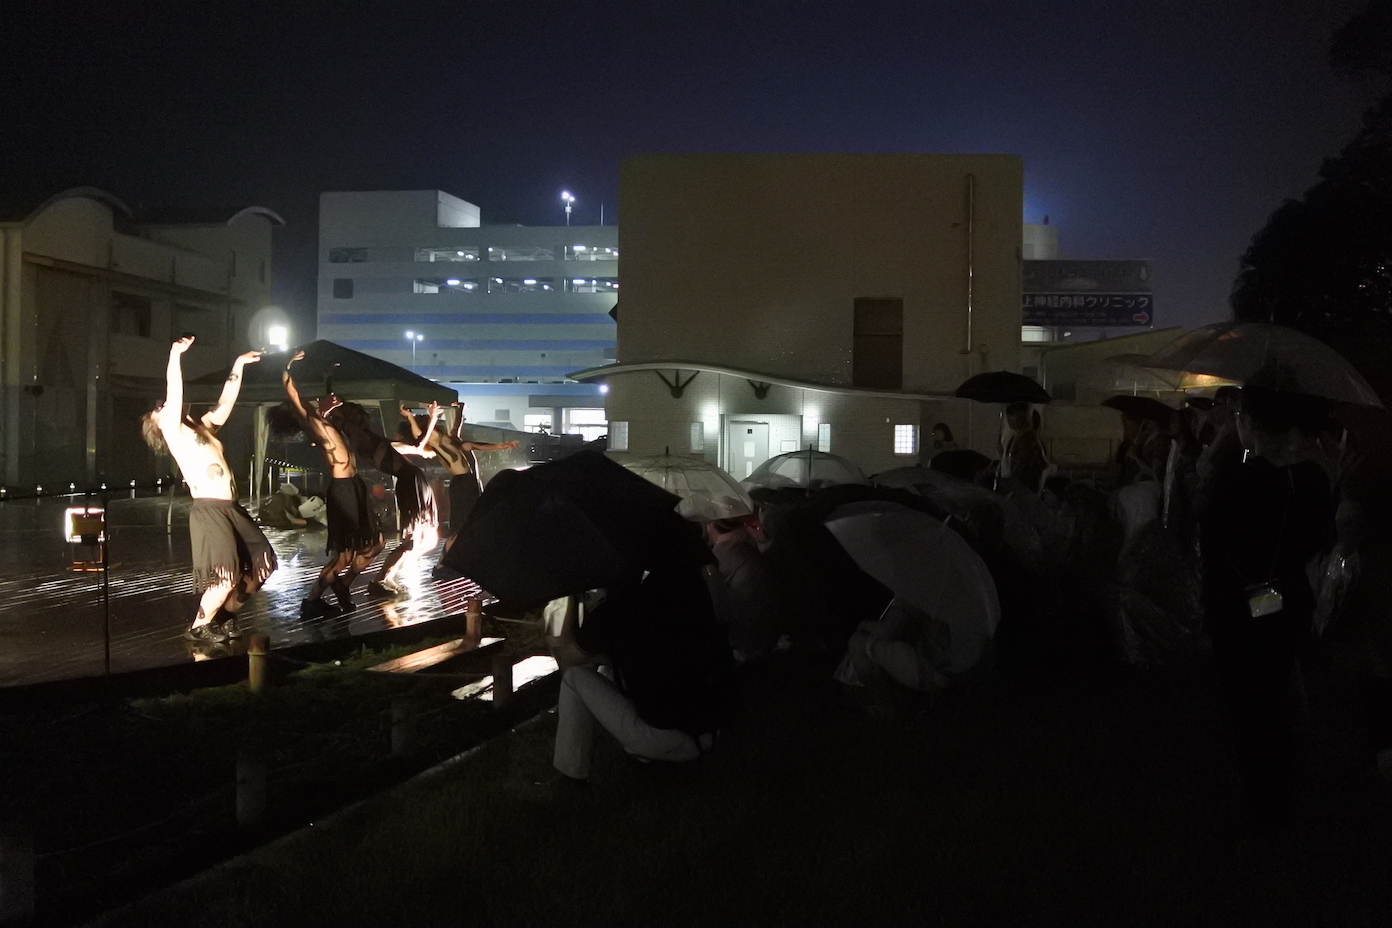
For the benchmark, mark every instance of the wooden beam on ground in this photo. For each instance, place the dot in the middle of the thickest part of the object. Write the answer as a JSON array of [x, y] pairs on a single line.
[[436, 656]]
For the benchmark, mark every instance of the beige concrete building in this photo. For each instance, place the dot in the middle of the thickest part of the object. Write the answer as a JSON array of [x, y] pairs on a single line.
[[90, 299], [776, 302]]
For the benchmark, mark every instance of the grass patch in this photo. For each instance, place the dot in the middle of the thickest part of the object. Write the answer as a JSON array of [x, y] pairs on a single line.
[[123, 797], [1032, 799]]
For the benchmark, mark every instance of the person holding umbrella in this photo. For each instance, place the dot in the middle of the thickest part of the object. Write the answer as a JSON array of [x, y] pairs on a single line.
[[1023, 457], [1263, 521]]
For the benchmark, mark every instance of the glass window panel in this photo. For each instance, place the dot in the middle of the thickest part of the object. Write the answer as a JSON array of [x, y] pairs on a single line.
[[591, 253], [448, 285], [906, 439], [347, 255], [520, 253], [591, 285], [463, 253]]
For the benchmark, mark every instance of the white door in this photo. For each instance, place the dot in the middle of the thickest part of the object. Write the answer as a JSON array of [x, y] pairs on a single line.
[[749, 447]]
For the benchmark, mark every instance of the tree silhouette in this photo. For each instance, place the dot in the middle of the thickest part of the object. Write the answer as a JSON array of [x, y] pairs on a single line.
[[1323, 262]]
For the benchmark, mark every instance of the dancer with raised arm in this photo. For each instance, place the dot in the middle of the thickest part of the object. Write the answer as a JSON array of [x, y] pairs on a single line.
[[415, 501], [458, 455], [354, 538], [231, 558]]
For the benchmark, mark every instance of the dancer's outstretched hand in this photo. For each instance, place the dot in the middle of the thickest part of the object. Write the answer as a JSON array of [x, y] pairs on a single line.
[[181, 345], [250, 357]]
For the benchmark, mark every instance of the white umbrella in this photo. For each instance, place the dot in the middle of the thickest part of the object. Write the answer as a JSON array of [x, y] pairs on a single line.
[[807, 470], [1261, 354], [707, 492], [922, 561]]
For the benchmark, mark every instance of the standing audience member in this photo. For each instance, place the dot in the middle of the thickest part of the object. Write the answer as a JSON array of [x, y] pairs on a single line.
[[1023, 458], [231, 557], [942, 439], [1263, 520], [744, 589]]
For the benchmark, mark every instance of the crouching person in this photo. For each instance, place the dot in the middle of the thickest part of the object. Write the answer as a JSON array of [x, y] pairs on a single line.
[[909, 647], [661, 681]]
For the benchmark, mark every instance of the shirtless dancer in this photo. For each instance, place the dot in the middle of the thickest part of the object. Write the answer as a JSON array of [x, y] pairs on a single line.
[[415, 502], [354, 539], [231, 558], [457, 454]]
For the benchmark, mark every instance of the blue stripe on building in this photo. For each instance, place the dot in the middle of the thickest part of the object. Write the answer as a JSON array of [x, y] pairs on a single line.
[[446, 371], [478, 344], [466, 319]]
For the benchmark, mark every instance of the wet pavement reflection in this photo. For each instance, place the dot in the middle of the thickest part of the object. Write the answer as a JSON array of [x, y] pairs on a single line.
[[51, 618]]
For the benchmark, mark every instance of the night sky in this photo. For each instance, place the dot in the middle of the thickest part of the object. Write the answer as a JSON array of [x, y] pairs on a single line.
[[1162, 130]]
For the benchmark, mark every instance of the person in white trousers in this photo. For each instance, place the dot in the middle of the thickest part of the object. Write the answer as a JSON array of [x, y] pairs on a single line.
[[588, 696]]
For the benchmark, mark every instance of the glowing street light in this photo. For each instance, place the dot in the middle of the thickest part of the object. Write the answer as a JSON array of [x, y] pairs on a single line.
[[565, 196], [278, 337], [415, 338]]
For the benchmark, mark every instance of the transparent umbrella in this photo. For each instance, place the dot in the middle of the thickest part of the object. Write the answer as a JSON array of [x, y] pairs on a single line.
[[922, 561], [807, 470], [1266, 355], [707, 492]]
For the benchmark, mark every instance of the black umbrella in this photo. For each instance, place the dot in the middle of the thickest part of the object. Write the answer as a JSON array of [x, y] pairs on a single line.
[[963, 463], [1002, 387], [561, 528], [1140, 407]]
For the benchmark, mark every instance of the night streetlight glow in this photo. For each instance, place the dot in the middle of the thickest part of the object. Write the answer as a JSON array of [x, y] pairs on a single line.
[[415, 338], [565, 196]]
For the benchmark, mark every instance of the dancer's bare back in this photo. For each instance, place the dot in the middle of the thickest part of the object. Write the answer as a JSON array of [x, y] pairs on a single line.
[[194, 442]]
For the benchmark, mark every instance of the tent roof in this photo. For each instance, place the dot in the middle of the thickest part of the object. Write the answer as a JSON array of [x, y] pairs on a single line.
[[356, 376]]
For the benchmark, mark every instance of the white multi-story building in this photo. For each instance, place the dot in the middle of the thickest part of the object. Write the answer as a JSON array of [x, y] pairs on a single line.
[[502, 313]]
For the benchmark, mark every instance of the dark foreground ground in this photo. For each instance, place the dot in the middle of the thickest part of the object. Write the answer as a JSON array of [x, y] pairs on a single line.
[[1039, 798]]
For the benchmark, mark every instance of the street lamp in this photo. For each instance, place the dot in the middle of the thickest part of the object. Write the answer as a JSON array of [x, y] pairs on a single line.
[[565, 195], [414, 338]]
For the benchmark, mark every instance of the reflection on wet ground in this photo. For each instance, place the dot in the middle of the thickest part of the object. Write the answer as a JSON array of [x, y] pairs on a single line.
[[51, 618]]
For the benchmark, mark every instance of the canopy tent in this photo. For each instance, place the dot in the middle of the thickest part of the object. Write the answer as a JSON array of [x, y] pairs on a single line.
[[354, 376]]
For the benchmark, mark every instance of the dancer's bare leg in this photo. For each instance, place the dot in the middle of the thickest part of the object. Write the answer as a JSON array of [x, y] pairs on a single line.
[[213, 599], [423, 541], [328, 575]]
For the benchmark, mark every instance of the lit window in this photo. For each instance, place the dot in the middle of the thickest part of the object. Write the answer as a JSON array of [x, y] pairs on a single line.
[[591, 285], [824, 437], [520, 253], [906, 439], [520, 284], [586, 416], [591, 253], [463, 253], [347, 255], [698, 436], [1036, 333], [447, 285], [536, 422], [618, 436]]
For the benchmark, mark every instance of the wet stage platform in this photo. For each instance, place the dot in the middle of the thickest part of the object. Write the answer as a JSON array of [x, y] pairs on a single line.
[[51, 618]]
